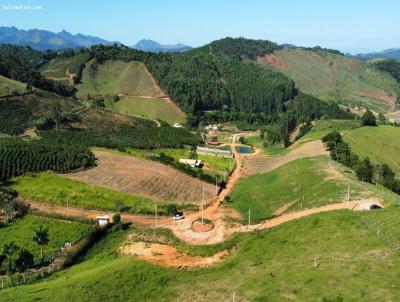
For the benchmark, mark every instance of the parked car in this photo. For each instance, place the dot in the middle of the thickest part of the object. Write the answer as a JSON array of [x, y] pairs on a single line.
[[178, 216], [375, 207]]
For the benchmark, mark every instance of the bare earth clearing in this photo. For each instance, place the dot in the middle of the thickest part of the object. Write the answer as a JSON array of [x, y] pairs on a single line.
[[144, 178]]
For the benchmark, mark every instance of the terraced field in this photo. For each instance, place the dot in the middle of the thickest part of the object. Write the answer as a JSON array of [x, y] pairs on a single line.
[[144, 178]]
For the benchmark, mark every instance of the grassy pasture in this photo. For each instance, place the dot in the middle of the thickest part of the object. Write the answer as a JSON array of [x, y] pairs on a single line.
[[59, 67], [273, 265], [316, 178], [53, 189], [153, 108], [113, 77], [323, 127], [381, 144], [7, 85], [22, 231], [334, 77]]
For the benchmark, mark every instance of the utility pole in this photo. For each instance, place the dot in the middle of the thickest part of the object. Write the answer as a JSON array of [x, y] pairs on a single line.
[[249, 216], [202, 207], [67, 209], [155, 208], [348, 195]]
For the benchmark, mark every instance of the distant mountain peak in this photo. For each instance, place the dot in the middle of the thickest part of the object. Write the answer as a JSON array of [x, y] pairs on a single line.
[[154, 46], [44, 39]]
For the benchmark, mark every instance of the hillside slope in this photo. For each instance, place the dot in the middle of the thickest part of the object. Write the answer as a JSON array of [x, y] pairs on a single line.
[[337, 78], [114, 77]]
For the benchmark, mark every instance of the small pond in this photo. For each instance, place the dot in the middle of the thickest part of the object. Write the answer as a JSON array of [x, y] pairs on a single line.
[[244, 149]]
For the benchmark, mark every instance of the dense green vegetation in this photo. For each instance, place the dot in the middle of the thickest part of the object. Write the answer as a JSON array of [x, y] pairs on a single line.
[[308, 178], [53, 189], [18, 157], [241, 48], [22, 229], [266, 266], [390, 66], [142, 138], [21, 64]]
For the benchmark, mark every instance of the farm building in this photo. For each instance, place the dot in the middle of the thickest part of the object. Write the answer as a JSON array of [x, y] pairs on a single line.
[[102, 220], [177, 125], [194, 163], [214, 152]]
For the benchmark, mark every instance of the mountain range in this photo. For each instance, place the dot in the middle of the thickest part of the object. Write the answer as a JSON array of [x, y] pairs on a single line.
[[392, 53], [153, 46], [44, 39]]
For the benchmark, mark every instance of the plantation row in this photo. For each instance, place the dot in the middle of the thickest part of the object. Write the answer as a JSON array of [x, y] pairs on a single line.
[[141, 138], [18, 157]]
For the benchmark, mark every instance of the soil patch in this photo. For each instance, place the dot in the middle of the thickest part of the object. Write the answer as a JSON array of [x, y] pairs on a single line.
[[198, 226]]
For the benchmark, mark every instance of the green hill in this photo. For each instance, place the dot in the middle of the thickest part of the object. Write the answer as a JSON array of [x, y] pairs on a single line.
[[381, 144], [117, 77], [61, 66], [268, 265], [335, 77], [9, 87]]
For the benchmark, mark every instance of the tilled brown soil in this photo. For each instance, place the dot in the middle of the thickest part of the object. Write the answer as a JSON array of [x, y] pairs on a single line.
[[144, 178]]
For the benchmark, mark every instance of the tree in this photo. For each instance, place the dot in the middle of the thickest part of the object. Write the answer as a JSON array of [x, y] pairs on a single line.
[[24, 260], [8, 251], [116, 218], [242, 140], [41, 237], [368, 119], [365, 170], [8, 204]]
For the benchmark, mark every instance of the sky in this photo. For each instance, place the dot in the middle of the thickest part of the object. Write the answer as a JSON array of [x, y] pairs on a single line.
[[351, 26]]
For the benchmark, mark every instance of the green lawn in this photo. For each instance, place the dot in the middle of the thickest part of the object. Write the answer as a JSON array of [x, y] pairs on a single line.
[[381, 144], [50, 188], [148, 107], [265, 193], [273, 265], [113, 77], [21, 230]]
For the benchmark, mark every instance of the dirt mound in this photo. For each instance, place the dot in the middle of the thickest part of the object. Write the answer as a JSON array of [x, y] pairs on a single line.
[[144, 178], [198, 226], [166, 255]]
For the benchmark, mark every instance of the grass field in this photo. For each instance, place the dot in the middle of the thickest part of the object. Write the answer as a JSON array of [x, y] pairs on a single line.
[[323, 127], [334, 77], [58, 68], [273, 265], [153, 108], [22, 231], [381, 144], [113, 77], [316, 178], [7, 86], [53, 189]]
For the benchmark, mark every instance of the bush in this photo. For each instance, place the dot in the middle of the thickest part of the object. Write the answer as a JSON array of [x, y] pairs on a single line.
[[368, 119]]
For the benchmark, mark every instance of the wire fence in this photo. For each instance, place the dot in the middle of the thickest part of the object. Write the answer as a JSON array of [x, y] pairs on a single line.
[[55, 259]]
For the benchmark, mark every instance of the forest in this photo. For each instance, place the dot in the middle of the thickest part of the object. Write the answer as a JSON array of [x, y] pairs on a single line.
[[21, 64], [390, 66]]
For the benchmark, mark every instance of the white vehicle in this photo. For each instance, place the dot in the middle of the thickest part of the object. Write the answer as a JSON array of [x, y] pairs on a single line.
[[178, 216]]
